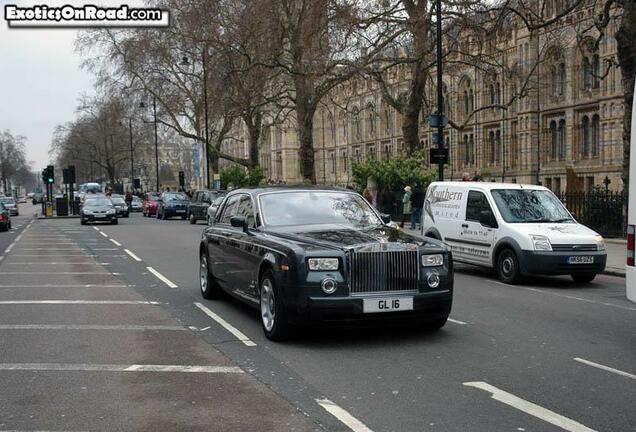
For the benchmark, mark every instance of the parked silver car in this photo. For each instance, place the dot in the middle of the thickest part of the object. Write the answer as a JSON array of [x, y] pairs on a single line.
[[11, 205]]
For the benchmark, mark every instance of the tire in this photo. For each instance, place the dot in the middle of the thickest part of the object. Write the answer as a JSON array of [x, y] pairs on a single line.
[[127, 215], [82, 221], [4, 228], [583, 277], [207, 283], [273, 315], [184, 217], [193, 220], [114, 222], [157, 215], [508, 266]]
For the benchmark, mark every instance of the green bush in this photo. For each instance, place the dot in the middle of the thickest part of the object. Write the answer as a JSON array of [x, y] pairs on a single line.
[[237, 176], [395, 172]]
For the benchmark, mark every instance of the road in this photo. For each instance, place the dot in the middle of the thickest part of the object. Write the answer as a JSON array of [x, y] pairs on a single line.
[[549, 355]]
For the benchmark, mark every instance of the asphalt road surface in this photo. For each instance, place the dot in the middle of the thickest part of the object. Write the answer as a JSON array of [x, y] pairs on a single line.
[[103, 328]]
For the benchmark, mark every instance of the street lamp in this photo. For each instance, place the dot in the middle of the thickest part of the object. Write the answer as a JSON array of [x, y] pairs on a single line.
[[154, 110], [186, 62]]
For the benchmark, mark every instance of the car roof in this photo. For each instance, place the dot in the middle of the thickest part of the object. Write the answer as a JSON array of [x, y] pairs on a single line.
[[255, 191], [488, 185]]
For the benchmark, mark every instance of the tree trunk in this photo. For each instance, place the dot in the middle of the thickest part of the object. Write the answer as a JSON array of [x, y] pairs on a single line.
[[254, 124], [305, 121], [625, 37]]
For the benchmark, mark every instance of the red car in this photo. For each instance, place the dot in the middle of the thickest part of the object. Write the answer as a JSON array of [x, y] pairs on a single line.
[[149, 207]]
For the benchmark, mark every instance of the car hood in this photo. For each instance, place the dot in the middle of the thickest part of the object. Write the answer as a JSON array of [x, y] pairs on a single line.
[[98, 208], [383, 238], [558, 233]]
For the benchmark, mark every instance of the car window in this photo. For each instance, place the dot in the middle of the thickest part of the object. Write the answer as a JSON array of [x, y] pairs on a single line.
[[477, 202], [245, 208], [229, 209]]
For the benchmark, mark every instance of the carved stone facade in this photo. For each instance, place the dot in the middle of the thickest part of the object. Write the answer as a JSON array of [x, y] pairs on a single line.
[[570, 116]]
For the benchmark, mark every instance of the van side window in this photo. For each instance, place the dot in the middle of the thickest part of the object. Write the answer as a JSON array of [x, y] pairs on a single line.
[[477, 203]]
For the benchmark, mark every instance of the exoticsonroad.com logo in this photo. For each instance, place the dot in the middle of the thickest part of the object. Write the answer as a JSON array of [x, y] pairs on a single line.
[[84, 16]]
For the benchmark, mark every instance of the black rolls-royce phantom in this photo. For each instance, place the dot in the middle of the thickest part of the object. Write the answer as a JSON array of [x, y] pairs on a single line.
[[308, 255]]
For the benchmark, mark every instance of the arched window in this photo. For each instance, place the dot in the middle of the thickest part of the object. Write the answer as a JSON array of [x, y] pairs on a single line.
[[587, 73], [498, 93], [498, 146], [492, 94], [466, 151], [596, 135], [563, 135], [466, 103], [331, 127], [562, 78], [343, 127], [554, 137], [587, 135], [355, 125], [371, 121], [471, 100], [471, 146], [553, 81], [596, 71], [493, 150]]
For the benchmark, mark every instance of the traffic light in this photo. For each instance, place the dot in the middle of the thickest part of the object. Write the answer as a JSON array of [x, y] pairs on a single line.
[[45, 174], [71, 174], [50, 174]]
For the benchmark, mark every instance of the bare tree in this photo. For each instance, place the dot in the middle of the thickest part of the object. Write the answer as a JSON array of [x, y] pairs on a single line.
[[13, 162]]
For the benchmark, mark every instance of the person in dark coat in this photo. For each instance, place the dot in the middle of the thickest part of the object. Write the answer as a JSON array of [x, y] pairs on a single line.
[[417, 202]]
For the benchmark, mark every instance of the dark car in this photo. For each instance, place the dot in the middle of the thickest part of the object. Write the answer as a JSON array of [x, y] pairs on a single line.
[[173, 204], [5, 218], [213, 208], [304, 256], [98, 209], [200, 202], [151, 200], [120, 205], [37, 198]]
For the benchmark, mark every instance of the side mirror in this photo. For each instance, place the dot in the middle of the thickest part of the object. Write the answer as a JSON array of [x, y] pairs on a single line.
[[239, 222], [487, 219], [386, 218]]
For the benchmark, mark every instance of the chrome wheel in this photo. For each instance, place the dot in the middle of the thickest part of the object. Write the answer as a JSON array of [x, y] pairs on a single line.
[[268, 304], [203, 275]]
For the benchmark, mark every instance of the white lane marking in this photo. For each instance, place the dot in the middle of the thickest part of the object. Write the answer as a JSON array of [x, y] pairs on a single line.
[[530, 408], [87, 302], [103, 234], [92, 327], [64, 286], [226, 325], [95, 228], [55, 263], [58, 273], [454, 321], [115, 242], [350, 421], [569, 297], [605, 368], [162, 277], [132, 255], [118, 368]]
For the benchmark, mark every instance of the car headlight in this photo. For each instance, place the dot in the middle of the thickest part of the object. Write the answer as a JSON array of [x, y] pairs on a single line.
[[541, 243], [600, 243], [111, 211], [432, 260], [323, 263]]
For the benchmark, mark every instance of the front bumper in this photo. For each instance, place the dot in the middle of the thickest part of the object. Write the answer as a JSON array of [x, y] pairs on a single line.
[[92, 218], [556, 263]]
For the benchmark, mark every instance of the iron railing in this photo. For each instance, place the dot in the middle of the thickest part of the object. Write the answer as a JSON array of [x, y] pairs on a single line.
[[602, 211]]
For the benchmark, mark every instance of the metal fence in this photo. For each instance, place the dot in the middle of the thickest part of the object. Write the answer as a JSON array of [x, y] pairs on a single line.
[[602, 211]]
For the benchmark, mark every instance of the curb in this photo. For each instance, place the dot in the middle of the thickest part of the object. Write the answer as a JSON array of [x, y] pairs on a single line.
[[40, 217], [616, 241], [614, 273]]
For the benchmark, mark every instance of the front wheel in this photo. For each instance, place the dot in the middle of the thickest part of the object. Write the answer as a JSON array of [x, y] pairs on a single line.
[[207, 283], [273, 317], [508, 267], [583, 277], [114, 222]]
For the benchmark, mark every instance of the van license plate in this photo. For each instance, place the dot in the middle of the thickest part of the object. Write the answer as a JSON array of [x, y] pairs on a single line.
[[581, 260], [387, 304]]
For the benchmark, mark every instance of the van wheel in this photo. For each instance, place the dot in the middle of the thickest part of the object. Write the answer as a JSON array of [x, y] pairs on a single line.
[[508, 267], [583, 277]]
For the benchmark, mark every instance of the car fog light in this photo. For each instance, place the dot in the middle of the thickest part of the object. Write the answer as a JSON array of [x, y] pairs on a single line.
[[432, 279], [329, 285]]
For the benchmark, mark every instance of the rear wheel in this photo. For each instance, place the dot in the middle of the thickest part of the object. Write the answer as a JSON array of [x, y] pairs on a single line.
[[207, 283], [508, 266], [273, 317], [583, 277]]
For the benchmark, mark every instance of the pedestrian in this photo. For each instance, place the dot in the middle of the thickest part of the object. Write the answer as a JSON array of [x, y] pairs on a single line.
[[417, 202], [406, 205], [367, 195], [129, 200], [386, 200], [477, 175], [465, 177]]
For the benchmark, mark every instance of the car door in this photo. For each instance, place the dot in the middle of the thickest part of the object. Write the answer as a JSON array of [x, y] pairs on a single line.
[[477, 239], [247, 251], [194, 204], [221, 257]]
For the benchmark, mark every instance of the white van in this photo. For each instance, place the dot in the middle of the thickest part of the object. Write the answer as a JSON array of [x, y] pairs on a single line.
[[630, 269], [515, 229]]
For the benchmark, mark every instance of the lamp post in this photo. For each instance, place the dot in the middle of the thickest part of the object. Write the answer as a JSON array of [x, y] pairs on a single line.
[[154, 111], [186, 62], [440, 89]]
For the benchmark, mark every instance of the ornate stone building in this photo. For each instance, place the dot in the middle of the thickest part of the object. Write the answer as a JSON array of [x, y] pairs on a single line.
[[564, 112]]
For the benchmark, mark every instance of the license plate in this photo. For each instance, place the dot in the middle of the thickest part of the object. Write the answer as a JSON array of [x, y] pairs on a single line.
[[100, 215], [180, 211], [387, 304], [581, 260]]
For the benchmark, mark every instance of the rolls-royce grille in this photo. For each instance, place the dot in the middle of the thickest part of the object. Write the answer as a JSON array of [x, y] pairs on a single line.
[[380, 271]]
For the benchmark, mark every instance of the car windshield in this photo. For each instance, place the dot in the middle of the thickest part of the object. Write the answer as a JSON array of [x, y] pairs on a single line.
[[529, 206], [118, 200], [98, 202], [317, 208], [7, 200], [175, 196], [136, 199]]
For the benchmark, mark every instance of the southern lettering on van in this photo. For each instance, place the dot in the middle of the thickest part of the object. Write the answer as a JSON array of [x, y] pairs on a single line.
[[450, 200]]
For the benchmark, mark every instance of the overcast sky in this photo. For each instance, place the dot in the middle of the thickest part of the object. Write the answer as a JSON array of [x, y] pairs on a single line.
[[41, 79]]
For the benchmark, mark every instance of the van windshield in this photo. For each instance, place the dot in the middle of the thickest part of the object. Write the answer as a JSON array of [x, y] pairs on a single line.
[[530, 206]]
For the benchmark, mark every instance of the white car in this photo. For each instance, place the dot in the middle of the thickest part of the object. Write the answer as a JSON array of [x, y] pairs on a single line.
[[515, 229], [630, 268]]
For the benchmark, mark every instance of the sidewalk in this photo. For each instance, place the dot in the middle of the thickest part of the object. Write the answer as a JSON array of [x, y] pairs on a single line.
[[616, 254]]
